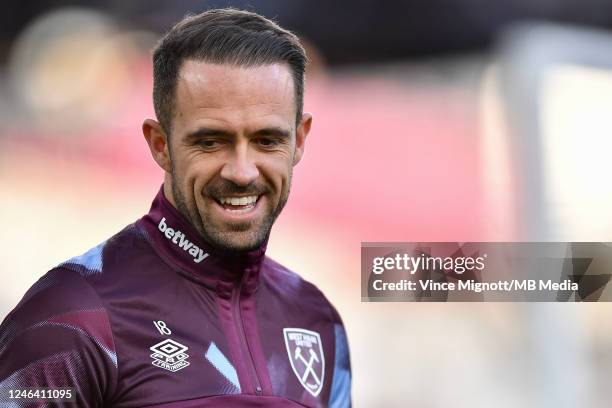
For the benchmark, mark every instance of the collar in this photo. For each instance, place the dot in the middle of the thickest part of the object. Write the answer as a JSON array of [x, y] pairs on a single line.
[[177, 241]]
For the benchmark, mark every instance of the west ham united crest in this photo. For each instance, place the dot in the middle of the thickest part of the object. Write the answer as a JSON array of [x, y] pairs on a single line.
[[306, 357]]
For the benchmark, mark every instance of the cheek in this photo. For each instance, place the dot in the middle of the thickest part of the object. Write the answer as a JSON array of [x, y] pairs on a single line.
[[278, 173], [194, 174]]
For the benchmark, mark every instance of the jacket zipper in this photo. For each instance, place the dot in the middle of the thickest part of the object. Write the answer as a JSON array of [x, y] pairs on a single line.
[[244, 345]]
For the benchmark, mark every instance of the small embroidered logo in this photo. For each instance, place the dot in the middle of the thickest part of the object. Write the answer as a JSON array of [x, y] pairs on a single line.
[[169, 355]]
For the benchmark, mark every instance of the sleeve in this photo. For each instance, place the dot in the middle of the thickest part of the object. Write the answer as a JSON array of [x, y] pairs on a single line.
[[341, 382], [58, 336]]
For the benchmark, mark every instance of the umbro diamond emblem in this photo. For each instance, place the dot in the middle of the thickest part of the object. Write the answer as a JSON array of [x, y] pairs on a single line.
[[169, 355]]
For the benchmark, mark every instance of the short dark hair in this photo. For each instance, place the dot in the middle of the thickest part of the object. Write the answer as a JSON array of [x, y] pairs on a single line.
[[223, 36]]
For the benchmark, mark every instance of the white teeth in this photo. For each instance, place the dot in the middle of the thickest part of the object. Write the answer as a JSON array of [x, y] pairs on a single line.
[[238, 200]]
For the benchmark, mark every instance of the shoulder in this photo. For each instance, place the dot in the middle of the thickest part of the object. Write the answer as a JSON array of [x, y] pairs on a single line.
[[59, 335], [64, 305], [287, 284], [280, 276], [127, 245], [58, 291], [60, 304], [69, 292], [60, 332]]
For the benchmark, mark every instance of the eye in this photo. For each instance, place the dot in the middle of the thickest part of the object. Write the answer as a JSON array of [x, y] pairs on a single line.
[[209, 144], [267, 142]]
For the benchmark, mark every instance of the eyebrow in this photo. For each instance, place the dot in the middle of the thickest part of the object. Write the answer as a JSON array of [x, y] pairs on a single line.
[[203, 132], [269, 131], [273, 131]]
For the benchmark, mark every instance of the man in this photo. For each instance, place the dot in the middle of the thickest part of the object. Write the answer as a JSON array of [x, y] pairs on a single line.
[[183, 308]]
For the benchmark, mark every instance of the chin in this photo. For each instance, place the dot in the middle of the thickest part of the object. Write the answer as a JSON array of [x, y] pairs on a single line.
[[239, 242], [238, 246]]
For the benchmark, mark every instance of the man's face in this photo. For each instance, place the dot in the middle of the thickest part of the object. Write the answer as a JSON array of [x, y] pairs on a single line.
[[233, 146]]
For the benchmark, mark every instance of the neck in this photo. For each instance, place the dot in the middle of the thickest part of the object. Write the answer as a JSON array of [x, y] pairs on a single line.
[[179, 243]]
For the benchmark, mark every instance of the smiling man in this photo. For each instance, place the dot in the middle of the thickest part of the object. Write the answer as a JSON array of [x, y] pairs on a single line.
[[183, 308], [234, 143]]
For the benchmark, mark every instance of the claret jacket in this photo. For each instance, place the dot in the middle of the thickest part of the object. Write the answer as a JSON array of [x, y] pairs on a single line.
[[155, 316]]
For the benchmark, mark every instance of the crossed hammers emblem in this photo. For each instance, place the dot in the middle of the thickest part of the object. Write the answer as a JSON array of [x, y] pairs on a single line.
[[306, 346], [309, 364]]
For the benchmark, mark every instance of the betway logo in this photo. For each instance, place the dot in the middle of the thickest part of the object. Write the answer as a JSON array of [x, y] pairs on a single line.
[[177, 237]]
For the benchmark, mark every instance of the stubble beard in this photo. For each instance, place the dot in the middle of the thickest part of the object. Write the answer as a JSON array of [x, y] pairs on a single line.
[[221, 239]]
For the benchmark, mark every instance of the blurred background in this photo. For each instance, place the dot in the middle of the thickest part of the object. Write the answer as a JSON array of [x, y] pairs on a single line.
[[434, 120]]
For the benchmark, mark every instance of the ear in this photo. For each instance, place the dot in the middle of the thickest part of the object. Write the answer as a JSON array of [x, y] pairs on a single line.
[[158, 143], [300, 136]]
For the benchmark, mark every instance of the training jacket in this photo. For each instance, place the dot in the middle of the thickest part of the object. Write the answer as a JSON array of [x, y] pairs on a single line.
[[154, 316]]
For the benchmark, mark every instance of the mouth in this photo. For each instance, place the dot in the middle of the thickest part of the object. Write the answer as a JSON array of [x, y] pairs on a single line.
[[238, 205]]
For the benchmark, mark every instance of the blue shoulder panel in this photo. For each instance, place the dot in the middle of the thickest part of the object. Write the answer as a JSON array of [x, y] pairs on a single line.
[[91, 261], [341, 382]]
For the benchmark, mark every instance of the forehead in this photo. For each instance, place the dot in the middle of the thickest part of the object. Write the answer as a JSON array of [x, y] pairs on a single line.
[[233, 94]]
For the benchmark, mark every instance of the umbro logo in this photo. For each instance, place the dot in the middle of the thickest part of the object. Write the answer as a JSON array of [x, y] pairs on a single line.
[[170, 355]]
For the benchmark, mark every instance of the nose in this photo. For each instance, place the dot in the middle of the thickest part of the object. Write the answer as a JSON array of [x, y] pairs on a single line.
[[240, 168]]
